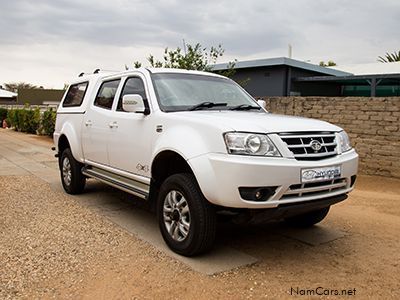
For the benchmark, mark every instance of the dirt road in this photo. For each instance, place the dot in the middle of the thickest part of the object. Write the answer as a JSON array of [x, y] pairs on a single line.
[[53, 247]]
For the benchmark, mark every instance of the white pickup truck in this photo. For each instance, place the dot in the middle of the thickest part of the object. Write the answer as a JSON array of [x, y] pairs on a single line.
[[196, 145]]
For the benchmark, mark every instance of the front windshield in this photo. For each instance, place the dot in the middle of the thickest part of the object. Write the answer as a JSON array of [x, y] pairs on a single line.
[[180, 92]]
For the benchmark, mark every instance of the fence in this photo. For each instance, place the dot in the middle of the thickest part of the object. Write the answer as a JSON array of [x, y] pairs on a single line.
[[372, 124], [42, 108]]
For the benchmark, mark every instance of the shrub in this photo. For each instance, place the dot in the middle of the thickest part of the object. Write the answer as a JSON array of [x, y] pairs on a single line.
[[49, 122], [30, 120], [21, 119], [13, 118], [25, 120], [3, 114]]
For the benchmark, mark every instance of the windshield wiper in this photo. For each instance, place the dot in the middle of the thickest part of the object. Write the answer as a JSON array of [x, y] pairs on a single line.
[[207, 104], [245, 107]]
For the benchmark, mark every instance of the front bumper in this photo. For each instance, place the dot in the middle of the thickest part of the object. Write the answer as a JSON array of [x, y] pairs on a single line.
[[221, 175]]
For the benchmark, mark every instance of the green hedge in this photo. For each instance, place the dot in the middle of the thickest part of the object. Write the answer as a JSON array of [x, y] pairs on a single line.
[[49, 121], [32, 121], [3, 115]]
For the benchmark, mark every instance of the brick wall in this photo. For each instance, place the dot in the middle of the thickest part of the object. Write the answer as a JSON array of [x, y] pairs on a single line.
[[372, 124]]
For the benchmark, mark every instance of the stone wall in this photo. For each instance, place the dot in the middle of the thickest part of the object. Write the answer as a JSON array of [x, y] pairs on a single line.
[[372, 124]]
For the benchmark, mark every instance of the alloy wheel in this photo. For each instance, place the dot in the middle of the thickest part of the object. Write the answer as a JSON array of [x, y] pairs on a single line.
[[176, 215]]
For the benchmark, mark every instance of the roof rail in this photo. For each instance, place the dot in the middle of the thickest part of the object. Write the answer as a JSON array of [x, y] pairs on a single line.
[[97, 71], [115, 71]]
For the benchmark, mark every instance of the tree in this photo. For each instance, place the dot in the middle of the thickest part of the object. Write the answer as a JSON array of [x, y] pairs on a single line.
[[390, 57], [330, 63], [15, 86], [193, 57]]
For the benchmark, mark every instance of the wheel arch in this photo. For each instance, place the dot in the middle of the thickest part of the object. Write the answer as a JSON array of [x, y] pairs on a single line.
[[63, 143], [69, 138], [165, 164]]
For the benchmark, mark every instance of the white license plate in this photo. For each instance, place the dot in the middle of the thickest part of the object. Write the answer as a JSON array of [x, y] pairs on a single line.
[[320, 174]]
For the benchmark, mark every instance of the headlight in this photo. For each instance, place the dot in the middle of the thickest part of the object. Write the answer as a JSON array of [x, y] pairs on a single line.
[[250, 144], [344, 141]]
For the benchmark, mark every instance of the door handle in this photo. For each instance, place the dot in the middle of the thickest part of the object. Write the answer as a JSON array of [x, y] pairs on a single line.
[[88, 123], [113, 124]]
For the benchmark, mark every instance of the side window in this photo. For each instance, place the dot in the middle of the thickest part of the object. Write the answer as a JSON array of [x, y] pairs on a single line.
[[75, 94], [133, 85], [106, 94]]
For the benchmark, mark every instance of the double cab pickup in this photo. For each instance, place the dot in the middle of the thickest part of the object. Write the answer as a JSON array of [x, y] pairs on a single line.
[[196, 145]]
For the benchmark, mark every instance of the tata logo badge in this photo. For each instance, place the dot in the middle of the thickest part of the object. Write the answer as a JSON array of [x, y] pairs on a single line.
[[315, 145]]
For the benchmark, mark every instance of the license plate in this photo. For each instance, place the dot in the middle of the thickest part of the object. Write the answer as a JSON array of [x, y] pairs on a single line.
[[320, 174]]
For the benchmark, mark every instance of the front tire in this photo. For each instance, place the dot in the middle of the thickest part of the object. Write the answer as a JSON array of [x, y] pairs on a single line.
[[186, 219], [72, 178], [308, 219]]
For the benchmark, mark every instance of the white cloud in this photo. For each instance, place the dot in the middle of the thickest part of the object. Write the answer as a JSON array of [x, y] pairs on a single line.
[[46, 42], [52, 65]]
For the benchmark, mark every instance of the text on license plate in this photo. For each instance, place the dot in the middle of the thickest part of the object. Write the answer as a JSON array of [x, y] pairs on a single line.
[[320, 174]]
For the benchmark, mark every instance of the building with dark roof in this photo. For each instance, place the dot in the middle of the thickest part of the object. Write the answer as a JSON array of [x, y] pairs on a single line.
[[289, 77], [274, 76], [7, 97], [39, 96]]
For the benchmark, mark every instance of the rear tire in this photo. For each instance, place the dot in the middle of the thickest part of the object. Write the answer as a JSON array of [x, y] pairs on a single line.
[[72, 178], [186, 219], [308, 219]]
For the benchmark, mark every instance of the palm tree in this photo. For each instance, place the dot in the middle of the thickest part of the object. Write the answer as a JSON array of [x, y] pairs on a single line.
[[15, 86], [390, 57]]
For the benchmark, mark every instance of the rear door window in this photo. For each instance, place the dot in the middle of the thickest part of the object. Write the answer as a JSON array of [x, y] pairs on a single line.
[[75, 94], [106, 94]]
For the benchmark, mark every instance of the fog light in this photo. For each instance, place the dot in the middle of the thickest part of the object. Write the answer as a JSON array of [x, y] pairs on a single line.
[[257, 193]]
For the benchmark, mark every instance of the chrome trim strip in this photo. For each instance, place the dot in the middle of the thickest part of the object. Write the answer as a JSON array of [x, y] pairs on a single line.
[[320, 188], [288, 135], [322, 154], [143, 179], [129, 187], [305, 145], [317, 196]]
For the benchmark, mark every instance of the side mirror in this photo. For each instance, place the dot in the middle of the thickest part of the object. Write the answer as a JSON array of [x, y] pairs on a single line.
[[134, 103], [262, 103]]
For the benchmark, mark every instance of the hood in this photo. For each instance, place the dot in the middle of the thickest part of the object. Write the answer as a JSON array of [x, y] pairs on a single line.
[[256, 121]]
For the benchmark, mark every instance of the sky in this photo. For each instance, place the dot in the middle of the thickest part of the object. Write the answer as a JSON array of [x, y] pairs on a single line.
[[49, 42]]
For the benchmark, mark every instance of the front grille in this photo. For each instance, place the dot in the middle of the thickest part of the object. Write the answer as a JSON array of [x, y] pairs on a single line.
[[314, 188], [310, 145]]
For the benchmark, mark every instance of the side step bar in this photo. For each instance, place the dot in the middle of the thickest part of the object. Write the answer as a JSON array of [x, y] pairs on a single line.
[[128, 185]]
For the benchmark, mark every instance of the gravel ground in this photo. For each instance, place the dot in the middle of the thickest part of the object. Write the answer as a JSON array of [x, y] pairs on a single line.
[[48, 243], [52, 247]]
